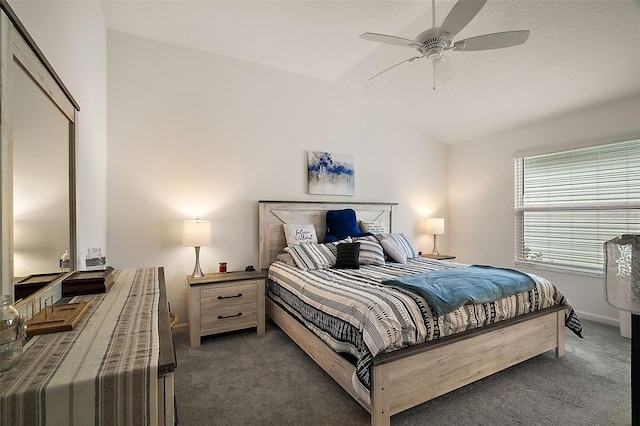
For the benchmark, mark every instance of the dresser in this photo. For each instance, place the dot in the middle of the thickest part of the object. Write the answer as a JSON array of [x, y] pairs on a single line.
[[116, 366], [223, 302]]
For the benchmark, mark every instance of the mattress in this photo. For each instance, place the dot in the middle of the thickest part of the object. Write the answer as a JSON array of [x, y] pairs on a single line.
[[354, 313]]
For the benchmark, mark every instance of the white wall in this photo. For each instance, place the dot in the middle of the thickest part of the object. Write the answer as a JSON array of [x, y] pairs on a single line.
[[72, 35], [193, 134], [481, 192]]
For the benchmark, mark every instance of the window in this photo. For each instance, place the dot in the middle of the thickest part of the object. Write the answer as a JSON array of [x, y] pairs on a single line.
[[567, 204]]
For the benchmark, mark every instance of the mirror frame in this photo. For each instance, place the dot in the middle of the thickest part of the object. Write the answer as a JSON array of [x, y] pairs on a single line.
[[16, 45]]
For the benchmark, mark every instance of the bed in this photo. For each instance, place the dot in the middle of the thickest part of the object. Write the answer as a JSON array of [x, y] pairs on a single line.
[[414, 373]]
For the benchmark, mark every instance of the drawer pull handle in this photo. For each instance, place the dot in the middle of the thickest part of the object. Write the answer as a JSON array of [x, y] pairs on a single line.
[[229, 316], [229, 297]]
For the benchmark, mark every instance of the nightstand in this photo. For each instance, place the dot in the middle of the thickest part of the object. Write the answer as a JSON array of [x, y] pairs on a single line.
[[224, 302], [439, 256]]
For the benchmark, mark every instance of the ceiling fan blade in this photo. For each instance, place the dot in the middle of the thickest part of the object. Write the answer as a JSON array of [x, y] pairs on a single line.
[[399, 63], [388, 39], [461, 14], [492, 41]]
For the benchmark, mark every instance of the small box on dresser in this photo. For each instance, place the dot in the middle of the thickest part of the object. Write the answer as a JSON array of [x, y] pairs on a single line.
[[88, 282], [223, 302]]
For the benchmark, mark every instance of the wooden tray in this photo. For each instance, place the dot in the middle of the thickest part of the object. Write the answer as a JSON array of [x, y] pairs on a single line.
[[52, 319]]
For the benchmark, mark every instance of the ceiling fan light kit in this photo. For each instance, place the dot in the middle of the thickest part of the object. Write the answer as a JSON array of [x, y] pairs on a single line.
[[433, 42]]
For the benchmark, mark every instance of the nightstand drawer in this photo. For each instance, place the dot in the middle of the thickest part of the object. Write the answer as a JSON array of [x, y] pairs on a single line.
[[212, 298], [229, 318]]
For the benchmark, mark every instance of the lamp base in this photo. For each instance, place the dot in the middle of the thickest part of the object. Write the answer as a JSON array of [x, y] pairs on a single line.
[[435, 245], [197, 271]]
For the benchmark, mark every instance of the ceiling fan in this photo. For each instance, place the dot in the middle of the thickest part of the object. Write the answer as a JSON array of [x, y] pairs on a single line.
[[432, 43]]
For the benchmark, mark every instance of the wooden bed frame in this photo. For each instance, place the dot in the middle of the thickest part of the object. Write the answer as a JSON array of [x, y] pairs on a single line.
[[408, 377]]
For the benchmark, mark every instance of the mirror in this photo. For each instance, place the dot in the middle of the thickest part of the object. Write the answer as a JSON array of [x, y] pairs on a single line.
[[40, 179], [38, 165]]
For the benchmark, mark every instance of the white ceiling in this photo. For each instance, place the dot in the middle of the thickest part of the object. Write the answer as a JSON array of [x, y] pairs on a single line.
[[580, 53]]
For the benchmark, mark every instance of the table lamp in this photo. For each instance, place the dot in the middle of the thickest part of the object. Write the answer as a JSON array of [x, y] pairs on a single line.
[[622, 290], [435, 226], [197, 233]]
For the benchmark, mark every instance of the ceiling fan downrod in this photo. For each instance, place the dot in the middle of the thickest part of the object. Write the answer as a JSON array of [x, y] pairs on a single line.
[[433, 15]]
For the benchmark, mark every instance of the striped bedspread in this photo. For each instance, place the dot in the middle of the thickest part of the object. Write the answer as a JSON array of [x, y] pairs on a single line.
[[104, 372], [353, 313]]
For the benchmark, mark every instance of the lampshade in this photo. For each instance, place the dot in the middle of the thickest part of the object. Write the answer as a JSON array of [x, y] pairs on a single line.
[[197, 233], [435, 225], [622, 272]]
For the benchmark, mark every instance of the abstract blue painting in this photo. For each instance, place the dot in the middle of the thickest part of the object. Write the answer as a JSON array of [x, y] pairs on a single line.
[[331, 174]]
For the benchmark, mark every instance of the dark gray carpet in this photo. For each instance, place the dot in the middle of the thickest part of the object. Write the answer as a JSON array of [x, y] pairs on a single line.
[[241, 379]]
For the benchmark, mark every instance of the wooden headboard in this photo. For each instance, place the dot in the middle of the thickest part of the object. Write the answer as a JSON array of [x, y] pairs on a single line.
[[273, 214]]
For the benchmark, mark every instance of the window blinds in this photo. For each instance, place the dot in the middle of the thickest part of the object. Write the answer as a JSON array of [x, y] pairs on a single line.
[[568, 204]]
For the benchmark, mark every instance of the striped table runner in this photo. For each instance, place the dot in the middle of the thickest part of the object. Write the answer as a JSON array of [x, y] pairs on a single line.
[[104, 372]]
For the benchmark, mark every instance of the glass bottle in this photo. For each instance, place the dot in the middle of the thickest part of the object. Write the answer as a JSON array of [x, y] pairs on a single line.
[[64, 261], [95, 261], [12, 334]]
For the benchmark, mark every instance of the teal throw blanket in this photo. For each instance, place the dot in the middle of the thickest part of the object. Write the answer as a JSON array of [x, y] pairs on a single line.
[[448, 289]]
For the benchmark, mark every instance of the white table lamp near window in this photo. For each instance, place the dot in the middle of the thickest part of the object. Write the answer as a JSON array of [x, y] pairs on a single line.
[[197, 233], [435, 226], [622, 290]]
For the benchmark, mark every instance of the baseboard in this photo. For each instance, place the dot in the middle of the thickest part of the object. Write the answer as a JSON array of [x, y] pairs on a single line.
[[599, 318], [180, 328]]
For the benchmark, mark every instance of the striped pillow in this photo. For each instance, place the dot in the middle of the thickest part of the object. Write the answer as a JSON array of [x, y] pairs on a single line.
[[348, 254], [398, 247], [333, 246], [286, 258], [371, 252], [311, 256]]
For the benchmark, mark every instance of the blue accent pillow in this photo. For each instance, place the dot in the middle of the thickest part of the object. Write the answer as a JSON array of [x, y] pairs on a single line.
[[341, 224]]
